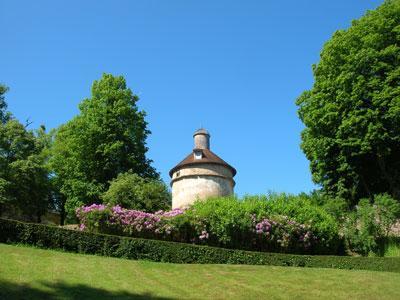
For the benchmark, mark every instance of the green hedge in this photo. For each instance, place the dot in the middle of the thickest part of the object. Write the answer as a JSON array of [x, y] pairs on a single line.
[[44, 236]]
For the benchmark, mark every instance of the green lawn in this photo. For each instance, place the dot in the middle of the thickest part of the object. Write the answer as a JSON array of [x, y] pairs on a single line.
[[29, 273]]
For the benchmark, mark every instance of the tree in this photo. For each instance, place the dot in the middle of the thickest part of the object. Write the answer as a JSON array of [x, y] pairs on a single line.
[[132, 191], [4, 115], [108, 137], [30, 189], [23, 179], [352, 112], [23, 176]]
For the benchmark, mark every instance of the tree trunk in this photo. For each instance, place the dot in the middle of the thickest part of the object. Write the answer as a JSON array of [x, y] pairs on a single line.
[[62, 214], [394, 188], [366, 188]]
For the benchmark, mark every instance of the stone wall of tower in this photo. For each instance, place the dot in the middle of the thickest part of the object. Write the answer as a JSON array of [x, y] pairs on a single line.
[[200, 182]]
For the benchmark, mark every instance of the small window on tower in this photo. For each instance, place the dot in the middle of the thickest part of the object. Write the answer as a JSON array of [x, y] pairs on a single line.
[[198, 154]]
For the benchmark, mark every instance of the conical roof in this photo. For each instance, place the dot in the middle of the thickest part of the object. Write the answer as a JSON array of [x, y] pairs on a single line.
[[208, 157]]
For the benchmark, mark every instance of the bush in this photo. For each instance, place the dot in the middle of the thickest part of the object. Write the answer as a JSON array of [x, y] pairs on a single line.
[[117, 220], [336, 207], [227, 222], [362, 230], [301, 209], [251, 224], [368, 225], [387, 211], [134, 192], [161, 251]]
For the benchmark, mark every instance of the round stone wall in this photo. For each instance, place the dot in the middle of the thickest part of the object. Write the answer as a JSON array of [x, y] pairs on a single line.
[[200, 182]]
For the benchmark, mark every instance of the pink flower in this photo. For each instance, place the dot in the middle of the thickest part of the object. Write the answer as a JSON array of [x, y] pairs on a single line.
[[264, 226], [204, 235]]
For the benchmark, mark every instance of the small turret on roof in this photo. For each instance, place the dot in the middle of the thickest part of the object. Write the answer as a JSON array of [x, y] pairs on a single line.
[[201, 139]]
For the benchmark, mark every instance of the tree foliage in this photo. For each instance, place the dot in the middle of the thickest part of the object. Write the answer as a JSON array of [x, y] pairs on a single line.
[[108, 137], [4, 115], [23, 175], [352, 113], [134, 192]]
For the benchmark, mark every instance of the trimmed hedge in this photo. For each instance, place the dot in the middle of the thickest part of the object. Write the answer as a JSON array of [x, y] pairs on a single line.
[[50, 237]]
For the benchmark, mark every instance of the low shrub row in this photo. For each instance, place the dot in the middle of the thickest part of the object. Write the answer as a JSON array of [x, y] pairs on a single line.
[[44, 236]]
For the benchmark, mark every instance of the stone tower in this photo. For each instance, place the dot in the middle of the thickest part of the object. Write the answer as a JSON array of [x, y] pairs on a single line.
[[202, 174]]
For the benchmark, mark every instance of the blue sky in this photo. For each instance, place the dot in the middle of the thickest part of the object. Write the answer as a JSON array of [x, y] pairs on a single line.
[[234, 67]]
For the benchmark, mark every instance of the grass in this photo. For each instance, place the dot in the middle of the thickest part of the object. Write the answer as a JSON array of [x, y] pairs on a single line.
[[31, 273], [392, 248]]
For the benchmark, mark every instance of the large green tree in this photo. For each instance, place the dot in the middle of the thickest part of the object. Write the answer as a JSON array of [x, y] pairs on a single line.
[[108, 137], [352, 112], [24, 186]]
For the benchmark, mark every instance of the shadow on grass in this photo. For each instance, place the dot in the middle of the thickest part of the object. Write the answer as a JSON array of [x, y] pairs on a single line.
[[60, 290]]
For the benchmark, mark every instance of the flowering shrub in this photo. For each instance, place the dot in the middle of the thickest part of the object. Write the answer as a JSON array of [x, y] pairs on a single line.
[[92, 217], [300, 208], [232, 229], [285, 234], [367, 227], [117, 220]]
